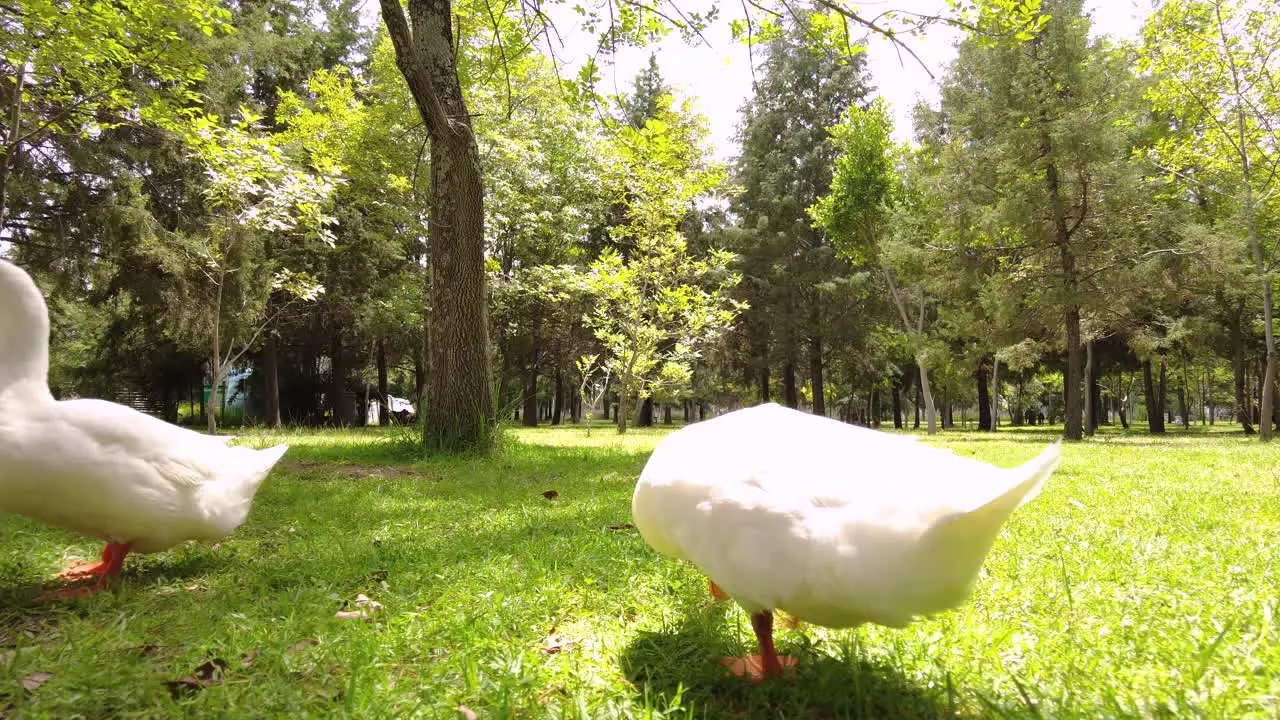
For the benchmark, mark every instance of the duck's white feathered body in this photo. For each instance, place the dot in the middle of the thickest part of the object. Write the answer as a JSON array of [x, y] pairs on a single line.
[[103, 469], [835, 524]]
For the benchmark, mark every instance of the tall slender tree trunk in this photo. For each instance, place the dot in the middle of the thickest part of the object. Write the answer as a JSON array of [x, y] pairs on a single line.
[[384, 403], [1070, 282], [1163, 391], [557, 401], [1184, 407], [763, 384], [1090, 417], [529, 416], [1235, 321], [815, 373], [995, 394], [897, 403], [215, 379], [984, 397], [419, 378], [789, 394], [342, 410], [271, 378], [1122, 401], [1155, 408], [460, 410]]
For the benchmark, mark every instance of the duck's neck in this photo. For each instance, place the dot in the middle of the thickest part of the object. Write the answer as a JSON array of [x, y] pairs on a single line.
[[24, 330]]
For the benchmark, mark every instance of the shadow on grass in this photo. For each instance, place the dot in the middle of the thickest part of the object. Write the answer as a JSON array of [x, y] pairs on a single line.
[[682, 665]]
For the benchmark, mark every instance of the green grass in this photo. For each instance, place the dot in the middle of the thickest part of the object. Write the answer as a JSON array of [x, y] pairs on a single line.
[[1141, 583]]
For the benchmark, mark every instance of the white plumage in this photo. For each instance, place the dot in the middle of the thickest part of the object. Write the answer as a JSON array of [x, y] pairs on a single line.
[[835, 524], [104, 469]]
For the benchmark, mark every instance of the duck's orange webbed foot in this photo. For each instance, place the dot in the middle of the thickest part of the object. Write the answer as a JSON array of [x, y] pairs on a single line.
[[768, 663], [103, 571], [716, 592]]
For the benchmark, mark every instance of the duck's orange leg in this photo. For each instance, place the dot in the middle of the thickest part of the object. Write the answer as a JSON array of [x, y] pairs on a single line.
[[768, 663], [104, 570], [716, 592]]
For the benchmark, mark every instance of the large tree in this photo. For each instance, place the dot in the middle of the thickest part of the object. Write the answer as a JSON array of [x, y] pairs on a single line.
[[1030, 133], [459, 412], [1215, 68], [786, 166]]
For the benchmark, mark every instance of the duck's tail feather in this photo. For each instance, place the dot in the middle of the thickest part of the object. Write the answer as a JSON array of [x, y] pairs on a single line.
[[229, 499], [1033, 473], [986, 517]]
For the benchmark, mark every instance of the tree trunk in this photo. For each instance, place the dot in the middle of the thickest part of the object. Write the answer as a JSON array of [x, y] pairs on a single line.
[[529, 417], [1211, 396], [984, 397], [419, 378], [1071, 311], [666, 414], [215, 379], [916, 424], [271, 378], [1155, 410], [1238, 367], [995, 394], [789, 395], [764, 384], [1183, 407], [1090, 419], [897, 403], [384, 404], [460, 410], [645, 418], [930, 411], [342, 410], [815, 374], [1163, 391], [1123, 400], [557, 401]]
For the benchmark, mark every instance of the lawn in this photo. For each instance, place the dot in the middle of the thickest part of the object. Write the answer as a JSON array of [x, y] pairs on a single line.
[[1141, 583]]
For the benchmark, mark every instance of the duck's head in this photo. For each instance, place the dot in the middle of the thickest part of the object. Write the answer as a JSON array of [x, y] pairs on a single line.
[[24, 328]]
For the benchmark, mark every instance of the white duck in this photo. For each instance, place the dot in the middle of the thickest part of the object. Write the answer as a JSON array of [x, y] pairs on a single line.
[[834, 524], [104, 469]]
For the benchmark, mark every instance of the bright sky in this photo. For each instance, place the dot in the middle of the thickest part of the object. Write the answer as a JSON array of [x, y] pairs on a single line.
[[719, 76]]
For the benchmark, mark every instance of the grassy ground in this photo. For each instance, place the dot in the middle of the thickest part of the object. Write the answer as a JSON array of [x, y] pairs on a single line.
[[1141, 583]]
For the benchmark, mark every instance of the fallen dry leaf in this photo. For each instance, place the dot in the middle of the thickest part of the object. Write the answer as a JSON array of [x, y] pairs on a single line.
[[33, 681], [144, 649], [551, 494], [301, 645], [365, 607], [554, 643], [378, 575], [211, 670], [184, 685], [247, 659], [623, 526], [467, 713], [207, 674]]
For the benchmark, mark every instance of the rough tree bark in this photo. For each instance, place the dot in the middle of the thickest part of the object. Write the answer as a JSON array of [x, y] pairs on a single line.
[[459, 412], [984, 397], [789, 394]]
